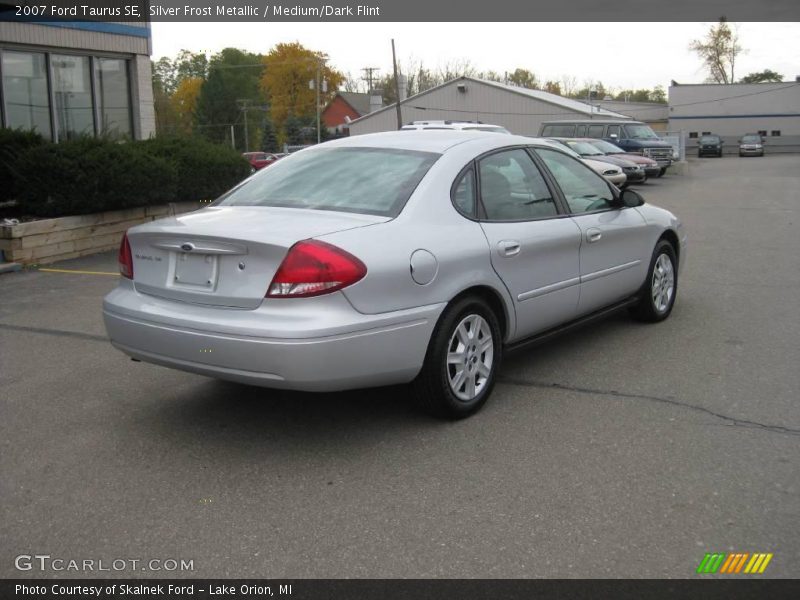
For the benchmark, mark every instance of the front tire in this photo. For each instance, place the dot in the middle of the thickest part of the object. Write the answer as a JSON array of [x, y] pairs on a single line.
[[661, 172], [462, 361], [657, 295]]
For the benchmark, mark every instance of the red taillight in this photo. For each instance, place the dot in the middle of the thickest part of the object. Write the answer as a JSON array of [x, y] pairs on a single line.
[[312, 268], [125, 258]]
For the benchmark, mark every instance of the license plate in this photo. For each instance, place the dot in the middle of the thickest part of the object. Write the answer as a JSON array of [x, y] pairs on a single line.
[[196, 270]]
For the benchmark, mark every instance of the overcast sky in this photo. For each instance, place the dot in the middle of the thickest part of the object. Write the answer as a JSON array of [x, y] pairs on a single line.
[[621, 55]]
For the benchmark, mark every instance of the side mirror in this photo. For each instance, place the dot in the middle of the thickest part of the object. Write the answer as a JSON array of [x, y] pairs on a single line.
[[631, 199]]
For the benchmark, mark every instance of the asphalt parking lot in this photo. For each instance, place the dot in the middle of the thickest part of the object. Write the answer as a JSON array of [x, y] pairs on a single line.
[[620, 450]]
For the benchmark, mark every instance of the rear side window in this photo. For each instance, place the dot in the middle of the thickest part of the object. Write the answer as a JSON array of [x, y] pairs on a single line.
[[596, 131], [558, 131], [513, 189], [373, 181], [464, 193], [613, 130]]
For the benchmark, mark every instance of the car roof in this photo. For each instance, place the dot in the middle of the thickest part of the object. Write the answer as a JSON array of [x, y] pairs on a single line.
[[593, 122], [438, 141]]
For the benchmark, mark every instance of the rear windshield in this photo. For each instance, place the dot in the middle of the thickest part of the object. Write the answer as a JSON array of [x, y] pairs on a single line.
[[607, 147], [373, 181], [583, 148]]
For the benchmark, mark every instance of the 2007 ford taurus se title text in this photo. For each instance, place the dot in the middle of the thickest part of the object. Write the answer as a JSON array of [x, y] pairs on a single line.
[[402, 257]]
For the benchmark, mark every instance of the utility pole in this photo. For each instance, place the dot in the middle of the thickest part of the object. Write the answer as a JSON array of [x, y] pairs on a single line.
[[397, 88], [369, 78], [319, 84], [244, 106]]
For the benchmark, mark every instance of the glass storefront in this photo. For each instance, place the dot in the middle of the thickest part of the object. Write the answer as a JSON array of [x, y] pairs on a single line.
[[27, 102], [72, 95], [83, 95], [113, 97]]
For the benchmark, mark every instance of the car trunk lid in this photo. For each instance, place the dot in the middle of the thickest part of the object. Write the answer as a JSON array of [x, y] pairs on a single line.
[[226, 256]]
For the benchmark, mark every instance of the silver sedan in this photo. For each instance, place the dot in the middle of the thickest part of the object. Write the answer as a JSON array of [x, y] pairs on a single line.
[[402, 257]]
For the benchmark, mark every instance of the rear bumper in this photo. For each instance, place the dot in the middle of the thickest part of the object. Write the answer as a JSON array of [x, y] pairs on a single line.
[[315, 344]]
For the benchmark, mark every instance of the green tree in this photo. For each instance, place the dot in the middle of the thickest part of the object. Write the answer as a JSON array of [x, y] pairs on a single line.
[[524, 78], [764, 76], [269, 138], [718, 51], [233, 81], [293, 130], [171, 72]]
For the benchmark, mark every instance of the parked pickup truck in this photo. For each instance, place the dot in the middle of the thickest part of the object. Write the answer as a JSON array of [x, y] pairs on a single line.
[[632, 136]]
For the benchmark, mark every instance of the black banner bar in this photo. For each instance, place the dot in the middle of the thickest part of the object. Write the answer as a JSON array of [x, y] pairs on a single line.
[[277, 11], [406, 589]]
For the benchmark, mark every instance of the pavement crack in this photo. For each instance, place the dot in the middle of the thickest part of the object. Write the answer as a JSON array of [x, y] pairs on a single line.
[[736, 422], [58, 332]]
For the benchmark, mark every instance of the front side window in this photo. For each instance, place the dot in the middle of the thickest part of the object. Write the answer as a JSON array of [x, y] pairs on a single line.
[[613, 130], [373, 181], [25, 90], [72, 91], [584, 190], [113, 97], [513, 189]]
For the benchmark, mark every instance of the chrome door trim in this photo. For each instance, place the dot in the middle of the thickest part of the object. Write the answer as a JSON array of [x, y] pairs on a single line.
[[547, 289], [609, 271]]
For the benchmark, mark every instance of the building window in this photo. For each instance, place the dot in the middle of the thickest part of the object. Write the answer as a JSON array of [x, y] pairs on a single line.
[[25, 92], [776, 133], [113, 97], [78, 95], [692, 134], [706, 133], [762, 132], [72, 94]]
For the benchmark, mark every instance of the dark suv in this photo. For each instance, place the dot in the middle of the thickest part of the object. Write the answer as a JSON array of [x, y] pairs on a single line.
[[709, 145], [632, 136]]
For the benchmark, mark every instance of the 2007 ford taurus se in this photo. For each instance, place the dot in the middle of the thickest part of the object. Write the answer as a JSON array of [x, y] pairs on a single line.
[[401, 257]]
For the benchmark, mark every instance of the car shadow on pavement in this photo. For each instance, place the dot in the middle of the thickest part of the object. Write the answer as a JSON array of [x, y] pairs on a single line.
[[230, 418]]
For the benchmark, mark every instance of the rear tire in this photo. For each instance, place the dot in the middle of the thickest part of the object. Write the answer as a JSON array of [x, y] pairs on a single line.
[[658, 293], [661, 172], [462, 361]]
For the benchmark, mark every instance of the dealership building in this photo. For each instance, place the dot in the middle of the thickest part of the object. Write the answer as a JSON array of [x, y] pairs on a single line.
[[732, 110], [65, 79]]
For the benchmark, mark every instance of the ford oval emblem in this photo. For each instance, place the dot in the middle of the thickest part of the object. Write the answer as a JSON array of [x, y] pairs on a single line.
[[187, 247]]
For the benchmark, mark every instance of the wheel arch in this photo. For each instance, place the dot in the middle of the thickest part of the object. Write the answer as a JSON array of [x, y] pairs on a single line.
[[495, 301], [672, 237]]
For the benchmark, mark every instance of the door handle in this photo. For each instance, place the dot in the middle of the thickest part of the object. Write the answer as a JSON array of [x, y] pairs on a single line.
[[509, 247], [593, 235]]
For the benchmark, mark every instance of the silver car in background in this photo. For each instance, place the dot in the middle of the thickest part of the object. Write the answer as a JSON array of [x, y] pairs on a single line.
[[392, 258]]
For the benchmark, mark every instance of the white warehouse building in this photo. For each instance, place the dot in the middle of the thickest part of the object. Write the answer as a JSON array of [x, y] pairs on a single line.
[[520, 110], [730, 111]]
